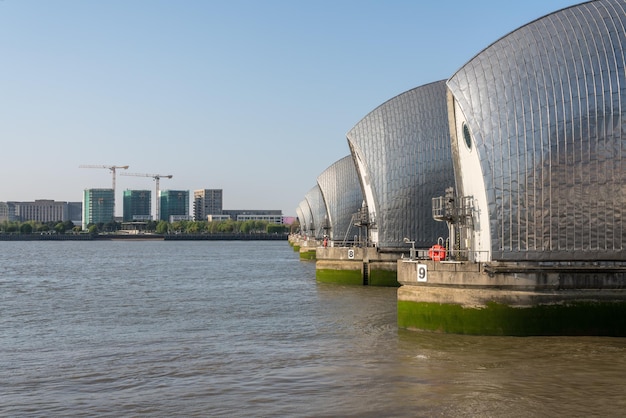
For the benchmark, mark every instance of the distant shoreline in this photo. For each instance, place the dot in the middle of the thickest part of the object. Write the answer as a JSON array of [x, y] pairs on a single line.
[[143, 237]]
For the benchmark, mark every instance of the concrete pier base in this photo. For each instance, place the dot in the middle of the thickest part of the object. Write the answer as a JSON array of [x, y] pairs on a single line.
[[356, 266], [305, 248], [513, 298]]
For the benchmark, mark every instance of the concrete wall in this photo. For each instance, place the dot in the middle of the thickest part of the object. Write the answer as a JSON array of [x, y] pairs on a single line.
[[356, 265], [512, 298], [515, 276]]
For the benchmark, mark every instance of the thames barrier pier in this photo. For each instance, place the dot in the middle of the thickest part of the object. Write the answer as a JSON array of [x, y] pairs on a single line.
[[512, 298], [498, 192], [348, 265], [356, 266]]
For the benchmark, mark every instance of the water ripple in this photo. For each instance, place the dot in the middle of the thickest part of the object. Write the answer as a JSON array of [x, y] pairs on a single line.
[[243, 329]]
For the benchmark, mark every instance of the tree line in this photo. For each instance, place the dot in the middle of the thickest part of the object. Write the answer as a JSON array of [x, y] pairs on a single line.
[[160, 227], [221, 227], [30, 227]]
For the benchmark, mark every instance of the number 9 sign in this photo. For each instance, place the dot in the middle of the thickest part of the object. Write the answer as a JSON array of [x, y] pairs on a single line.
[[422, 273]]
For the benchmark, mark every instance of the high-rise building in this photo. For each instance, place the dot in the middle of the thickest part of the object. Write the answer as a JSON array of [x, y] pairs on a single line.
[[174, 203], [206, 202], [98, 206], [137, 205]]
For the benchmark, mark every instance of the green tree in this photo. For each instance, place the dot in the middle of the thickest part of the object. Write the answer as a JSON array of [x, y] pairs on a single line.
[[276, 228], [26, 228], [202, 226], [213, 227], [176, 226], [162, 227], [247, 226], [192, 227], [226, 226], [260, 226], [60, 228]]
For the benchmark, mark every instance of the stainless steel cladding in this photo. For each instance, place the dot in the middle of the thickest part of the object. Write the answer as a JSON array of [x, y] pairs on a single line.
[[342, 195], [542, 111], [402, 154], [306, 218], [318, 211]]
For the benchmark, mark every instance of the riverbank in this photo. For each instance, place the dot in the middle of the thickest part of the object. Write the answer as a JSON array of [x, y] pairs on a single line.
[[46, 237], [226, 237], [143, 237]]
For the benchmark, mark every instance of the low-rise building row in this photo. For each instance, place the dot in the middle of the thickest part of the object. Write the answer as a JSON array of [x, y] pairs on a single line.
[[98, 206]]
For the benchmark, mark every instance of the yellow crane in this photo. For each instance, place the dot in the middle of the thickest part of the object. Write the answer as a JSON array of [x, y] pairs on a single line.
[[156, 178], [112, 168]]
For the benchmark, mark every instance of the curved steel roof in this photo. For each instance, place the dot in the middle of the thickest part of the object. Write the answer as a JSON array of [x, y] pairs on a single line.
[[402, 154], [342, 196], [318, 211], [545, 106]]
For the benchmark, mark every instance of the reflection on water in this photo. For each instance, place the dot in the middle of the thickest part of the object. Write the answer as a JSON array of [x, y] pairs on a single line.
[[243, 329]]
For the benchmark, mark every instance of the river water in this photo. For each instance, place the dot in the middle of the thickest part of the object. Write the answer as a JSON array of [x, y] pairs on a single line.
[[242, 329]]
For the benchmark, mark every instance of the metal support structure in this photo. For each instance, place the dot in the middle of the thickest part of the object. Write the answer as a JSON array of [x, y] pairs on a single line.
[[457, 212], [412, 253], [362, 219]]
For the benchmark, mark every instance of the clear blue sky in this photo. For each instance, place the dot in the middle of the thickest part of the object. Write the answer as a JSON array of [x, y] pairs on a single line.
[[252, 97]]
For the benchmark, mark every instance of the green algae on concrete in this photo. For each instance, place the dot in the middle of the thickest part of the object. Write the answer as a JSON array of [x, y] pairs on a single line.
[[574, 318], [385, 278], [307, 255], [346, 277]]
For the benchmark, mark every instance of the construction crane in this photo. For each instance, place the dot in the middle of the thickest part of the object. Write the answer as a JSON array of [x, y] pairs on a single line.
[[156, 178], [112, 168]]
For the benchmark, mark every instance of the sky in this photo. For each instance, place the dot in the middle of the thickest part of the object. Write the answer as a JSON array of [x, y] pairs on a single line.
[[253, 97]]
